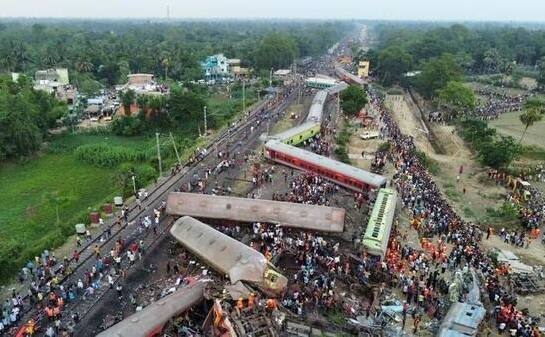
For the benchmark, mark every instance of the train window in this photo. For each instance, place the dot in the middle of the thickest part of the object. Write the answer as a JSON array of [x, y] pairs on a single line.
[[228, 206]]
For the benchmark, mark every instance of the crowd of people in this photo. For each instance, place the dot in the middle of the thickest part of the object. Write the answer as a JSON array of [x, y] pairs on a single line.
[[490, 105], [424, 201]]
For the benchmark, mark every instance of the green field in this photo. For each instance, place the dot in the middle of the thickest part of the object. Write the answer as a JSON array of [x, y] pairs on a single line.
[[28, 217], [509, 125]]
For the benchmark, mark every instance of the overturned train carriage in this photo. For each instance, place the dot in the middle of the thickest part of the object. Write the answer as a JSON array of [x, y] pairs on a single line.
[[150, 321], [377, 233], [345, 175], [288, 214], [227, 255]]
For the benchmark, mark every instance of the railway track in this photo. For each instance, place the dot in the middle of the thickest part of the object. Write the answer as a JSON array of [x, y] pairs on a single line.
[[264, 111]]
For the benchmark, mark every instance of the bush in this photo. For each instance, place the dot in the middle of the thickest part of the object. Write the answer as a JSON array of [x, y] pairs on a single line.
[[342, 154], [128, 126], [102, 155], [494, 150]]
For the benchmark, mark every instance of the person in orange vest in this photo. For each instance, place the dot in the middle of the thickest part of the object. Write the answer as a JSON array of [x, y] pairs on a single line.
[[30, 328], [49, 313], [251, 300], [240, 303], [56, 312], [271, 304]]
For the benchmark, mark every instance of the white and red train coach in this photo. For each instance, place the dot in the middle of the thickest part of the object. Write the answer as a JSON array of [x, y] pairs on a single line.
[[345, 175]]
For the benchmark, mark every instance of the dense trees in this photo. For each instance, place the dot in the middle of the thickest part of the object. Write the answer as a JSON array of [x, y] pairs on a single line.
[[475, 49], [25, 115], [392, 63], [108, 50], [494, 150], [436, 73], [353, 99], [276, 51], [456, 97]]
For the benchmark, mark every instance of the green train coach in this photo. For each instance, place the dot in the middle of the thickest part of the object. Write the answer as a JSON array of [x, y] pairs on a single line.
[[298, 134], [377, 234]]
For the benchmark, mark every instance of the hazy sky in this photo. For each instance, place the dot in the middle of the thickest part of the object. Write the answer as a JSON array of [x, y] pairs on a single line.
[[501, 10]]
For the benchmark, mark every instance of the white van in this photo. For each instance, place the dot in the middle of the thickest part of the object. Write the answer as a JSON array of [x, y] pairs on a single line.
[[369, 135]]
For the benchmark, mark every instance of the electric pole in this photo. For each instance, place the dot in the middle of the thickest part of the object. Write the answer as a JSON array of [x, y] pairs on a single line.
[[159, 154], [175, 148], [270, 78], [243, 96], [205, 126]]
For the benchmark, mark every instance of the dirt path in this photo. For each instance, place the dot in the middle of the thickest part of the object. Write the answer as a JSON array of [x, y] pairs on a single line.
[[480, 194]]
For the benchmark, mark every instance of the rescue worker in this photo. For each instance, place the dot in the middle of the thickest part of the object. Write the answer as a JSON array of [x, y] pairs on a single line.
[[49, 313], [240, 303], [30, 328], [271, 304], [251, 300]]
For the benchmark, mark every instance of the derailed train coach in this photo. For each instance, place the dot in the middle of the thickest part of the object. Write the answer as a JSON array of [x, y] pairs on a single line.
[[228, 256], [345, 175], [286, 214], [464, 319], [149, 321], [377, 234]]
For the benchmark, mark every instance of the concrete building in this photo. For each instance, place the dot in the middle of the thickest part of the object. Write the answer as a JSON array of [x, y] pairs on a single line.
[[363, 69], [143, 84], [56, 81], [216, 67], [59, 76], [140, 79]]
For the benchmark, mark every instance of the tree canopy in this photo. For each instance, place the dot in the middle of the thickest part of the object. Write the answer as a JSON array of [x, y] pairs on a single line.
[[107, 51], [276, 51], [475, 48], [392, 63], [353, 99], [456, 97], [25, 116], [534, 111], [436, 73]]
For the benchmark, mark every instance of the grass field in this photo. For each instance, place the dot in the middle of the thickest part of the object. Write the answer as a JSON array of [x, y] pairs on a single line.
[[28, 217], [509, 125]]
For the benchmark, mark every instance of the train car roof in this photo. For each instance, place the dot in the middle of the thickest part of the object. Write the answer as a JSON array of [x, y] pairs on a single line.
[[317, 107], [314, 217], [348, 74], [462, 319], [220, 251], [294, 131], [382, 216], [155, 315], [347, 170], [337, 88]]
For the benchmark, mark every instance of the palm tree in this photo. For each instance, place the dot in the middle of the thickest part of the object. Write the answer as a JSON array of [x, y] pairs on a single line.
[[55, 199], [166, 63], [533, 114], [84, 66], [50, 60], [18, 56]]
